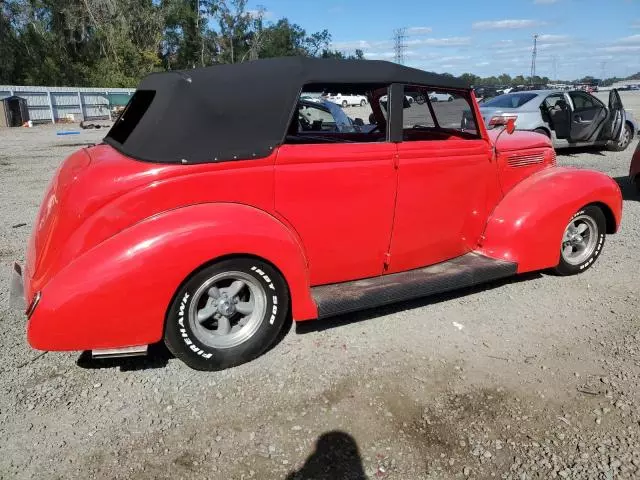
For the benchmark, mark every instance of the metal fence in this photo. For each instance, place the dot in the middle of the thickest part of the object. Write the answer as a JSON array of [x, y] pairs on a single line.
[[53, 104]]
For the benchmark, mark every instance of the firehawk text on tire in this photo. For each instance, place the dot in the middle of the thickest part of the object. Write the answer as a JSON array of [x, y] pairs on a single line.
[[227, 314], [582, 241]]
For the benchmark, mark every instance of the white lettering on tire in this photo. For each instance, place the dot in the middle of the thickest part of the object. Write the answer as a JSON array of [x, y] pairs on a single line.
[[183, 331]]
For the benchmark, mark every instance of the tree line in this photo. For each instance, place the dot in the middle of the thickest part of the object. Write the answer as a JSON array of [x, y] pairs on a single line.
[[114, 43]]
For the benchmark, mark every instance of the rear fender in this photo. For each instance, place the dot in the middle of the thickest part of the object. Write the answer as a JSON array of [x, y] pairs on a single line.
[[526, 227], [117, 293]]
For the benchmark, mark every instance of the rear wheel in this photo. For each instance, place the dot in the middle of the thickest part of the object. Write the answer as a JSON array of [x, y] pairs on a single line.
[[625, 140], [363, 103], [227, 314], [582, 241], [345, 104]]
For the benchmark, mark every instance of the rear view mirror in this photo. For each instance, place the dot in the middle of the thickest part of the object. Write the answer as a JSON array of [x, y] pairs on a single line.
[[511, 126]]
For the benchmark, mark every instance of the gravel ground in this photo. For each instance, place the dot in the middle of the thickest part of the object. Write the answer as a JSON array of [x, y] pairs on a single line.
[[537, 377]]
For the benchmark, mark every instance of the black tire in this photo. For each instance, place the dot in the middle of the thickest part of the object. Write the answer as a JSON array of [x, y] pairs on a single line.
[[627, 136], [345, 104], [450, 99], [188, 346], [542, 131], [598, 219], [363, 103]]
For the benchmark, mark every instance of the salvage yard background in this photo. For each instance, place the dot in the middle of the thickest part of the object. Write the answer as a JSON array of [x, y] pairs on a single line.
[[539, 374]]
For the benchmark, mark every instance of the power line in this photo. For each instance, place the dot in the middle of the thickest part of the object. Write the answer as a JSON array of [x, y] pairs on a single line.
[[399, 37]]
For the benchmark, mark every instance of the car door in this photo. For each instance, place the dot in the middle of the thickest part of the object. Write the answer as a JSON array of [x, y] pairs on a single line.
[[588, 116], [447, 183], [339, 198], [616, 119]]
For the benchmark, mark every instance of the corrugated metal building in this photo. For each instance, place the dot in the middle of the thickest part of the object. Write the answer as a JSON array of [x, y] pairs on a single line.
[[52, 104]]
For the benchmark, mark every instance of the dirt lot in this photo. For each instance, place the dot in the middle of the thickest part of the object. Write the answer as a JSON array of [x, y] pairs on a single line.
[[536, 377]]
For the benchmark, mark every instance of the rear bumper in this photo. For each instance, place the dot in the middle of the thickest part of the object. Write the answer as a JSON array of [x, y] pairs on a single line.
[[16, 289]]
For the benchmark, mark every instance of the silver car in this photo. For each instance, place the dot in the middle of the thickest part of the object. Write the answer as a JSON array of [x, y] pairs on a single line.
[[570, 119]]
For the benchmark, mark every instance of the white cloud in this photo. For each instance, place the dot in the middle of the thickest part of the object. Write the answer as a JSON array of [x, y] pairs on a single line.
[[545, 2], [419, 30], [621, 49], [441, 42], [549, 39], [266, 14], [631, 40], [454, 58], [506, 24], [636, 24], [482, 64]]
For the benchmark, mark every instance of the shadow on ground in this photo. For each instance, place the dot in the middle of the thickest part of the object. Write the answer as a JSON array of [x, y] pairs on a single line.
[[157, 357], [629, 190], [573, 151], [349, 318], [336, 457]]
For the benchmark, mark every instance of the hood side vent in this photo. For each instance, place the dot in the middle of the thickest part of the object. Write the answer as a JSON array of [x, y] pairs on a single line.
[[516, 160]]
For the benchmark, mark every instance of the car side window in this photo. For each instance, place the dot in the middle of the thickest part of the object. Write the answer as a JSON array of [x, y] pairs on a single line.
[[430, 114], [583, 100], [352, 116], [552, 100]]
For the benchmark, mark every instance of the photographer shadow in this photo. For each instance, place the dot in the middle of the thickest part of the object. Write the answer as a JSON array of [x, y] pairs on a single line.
[[336, 457]]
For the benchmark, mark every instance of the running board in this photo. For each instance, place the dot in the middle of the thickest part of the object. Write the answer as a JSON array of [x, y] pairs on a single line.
[[465, 271], [136, 351]]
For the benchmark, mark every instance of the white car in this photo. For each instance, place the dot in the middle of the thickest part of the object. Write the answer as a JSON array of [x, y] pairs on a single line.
[[346, 100], [440, 97]]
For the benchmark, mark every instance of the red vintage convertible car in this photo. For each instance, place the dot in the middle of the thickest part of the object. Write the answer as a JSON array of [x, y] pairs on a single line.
[[207, 217]]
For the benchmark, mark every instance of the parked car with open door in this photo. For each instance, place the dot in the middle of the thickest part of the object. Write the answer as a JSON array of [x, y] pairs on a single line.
[[569, 119], [203, 226]]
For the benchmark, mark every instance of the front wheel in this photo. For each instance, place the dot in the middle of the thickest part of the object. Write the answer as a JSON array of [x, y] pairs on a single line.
[[227, 314], [363, 103], [345, 104], [582, 241], [623, 143]]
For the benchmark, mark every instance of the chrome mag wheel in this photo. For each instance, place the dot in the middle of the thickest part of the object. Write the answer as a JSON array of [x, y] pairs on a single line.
[[580, 240], [227, 309]]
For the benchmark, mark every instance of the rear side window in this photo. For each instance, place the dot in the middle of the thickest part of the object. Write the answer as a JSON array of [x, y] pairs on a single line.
[[131, 115], [510, 100]]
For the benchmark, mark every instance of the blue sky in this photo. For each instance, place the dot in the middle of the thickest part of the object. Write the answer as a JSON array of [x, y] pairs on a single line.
[[579, 37]]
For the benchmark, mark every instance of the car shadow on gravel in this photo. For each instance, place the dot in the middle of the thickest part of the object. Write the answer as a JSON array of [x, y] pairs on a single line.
[[573, 151], [629, 190], [364, 315], [336, 456], [157, 357]]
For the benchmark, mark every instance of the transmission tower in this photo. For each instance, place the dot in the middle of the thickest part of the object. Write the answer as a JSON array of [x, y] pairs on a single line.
[[399, 37], [534, 54]]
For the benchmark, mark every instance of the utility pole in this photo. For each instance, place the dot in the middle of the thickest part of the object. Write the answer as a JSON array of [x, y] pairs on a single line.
[[399, 37], [534, 54]]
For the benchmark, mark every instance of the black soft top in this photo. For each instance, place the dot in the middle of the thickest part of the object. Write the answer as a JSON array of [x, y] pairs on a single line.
[[239, 111]]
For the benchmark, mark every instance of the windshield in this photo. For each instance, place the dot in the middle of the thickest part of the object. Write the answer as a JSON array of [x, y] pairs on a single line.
[[510, 100]]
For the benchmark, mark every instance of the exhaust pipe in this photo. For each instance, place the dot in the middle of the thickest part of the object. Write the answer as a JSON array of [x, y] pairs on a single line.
[[136, 351]]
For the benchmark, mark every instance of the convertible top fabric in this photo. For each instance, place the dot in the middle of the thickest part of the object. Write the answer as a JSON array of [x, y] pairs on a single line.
[[240, 111]]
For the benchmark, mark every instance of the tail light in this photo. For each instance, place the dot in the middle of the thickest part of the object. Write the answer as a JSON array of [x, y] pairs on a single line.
[[501, 120]]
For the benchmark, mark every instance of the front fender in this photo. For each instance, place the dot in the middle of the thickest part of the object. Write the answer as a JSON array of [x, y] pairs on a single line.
[[526, 227], [117, 293]]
